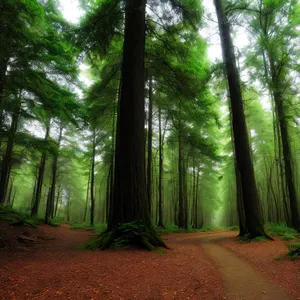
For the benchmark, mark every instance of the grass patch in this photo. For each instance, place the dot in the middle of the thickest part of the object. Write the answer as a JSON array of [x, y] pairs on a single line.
[[78, 226], [281, 230], [294, 250], [288, 237], [261, 239], [234, 228], [175, 229], [17, 218], [98, 228]]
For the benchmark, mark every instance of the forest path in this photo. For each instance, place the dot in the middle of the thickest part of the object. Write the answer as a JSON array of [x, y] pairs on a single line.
[[195, 267], [57, 269], [241, 280]]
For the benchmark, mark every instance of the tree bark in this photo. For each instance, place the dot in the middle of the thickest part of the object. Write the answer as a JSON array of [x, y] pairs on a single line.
[[87, 196], [57, 200], [7, 160], [3, 70], [253, 218], [51, 199], [286, 149], [129, 203], [40, 178], [93, 180], [149, 164], [160, 173]]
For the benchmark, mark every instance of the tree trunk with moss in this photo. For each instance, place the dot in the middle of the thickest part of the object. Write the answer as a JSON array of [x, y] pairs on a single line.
[[253, 217], [129, 206]]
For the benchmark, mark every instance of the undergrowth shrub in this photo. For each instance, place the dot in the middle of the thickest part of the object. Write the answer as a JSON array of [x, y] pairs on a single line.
[[294, 250], [261, 239], [17, 218], [234, 228], [134, 234], [78, 226], [175, 229], [286, 233]]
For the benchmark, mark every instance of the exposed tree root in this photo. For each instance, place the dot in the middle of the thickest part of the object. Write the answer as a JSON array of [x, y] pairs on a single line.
[[134, 234]]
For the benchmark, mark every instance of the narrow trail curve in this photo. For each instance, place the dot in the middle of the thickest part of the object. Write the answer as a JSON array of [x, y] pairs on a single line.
[[241, 280]]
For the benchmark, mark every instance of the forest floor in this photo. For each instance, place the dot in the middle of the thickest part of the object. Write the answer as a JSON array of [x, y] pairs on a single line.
[[197, 266]]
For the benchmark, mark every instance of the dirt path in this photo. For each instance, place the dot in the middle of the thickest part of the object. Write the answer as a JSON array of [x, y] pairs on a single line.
[[55, 269], [195, 267], [241, 280]]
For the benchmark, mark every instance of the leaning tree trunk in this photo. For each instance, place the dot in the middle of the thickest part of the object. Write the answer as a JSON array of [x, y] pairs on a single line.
[[149, 164], [253, 218], [51, 199], [129, 203], [40, 179]]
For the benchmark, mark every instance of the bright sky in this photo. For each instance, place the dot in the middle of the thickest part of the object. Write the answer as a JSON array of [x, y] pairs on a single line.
[[72, 12]]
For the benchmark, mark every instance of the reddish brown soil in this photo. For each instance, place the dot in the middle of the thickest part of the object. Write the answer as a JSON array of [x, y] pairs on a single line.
[[284, 272], [55, 269]]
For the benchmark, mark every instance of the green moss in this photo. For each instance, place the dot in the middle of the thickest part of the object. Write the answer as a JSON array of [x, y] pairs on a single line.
[[280, 230], [261, 239], [133, 234]]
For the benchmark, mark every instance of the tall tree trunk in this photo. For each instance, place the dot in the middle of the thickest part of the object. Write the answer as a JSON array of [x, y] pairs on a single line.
[[149, 165], [40, 178], [196, 221], [254, 222], [181, 192], [87, 196], [51, 199], [69, 207], [129, 203], [185, 194], [8, 200], [160, 172], [57, 200], [3, 70], [286, 149], [13, 199], [111, 187], [7, 160], [93, 180]]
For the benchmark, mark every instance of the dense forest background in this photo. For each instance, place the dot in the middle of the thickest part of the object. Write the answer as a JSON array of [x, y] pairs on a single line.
[[60, 85]]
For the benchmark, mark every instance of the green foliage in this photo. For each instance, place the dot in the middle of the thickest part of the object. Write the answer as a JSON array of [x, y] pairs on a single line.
[[204, 229], [261, 239], [233, 228], [133, 234], [281, 230], [294, 250], [16, 218], [78, 226]]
